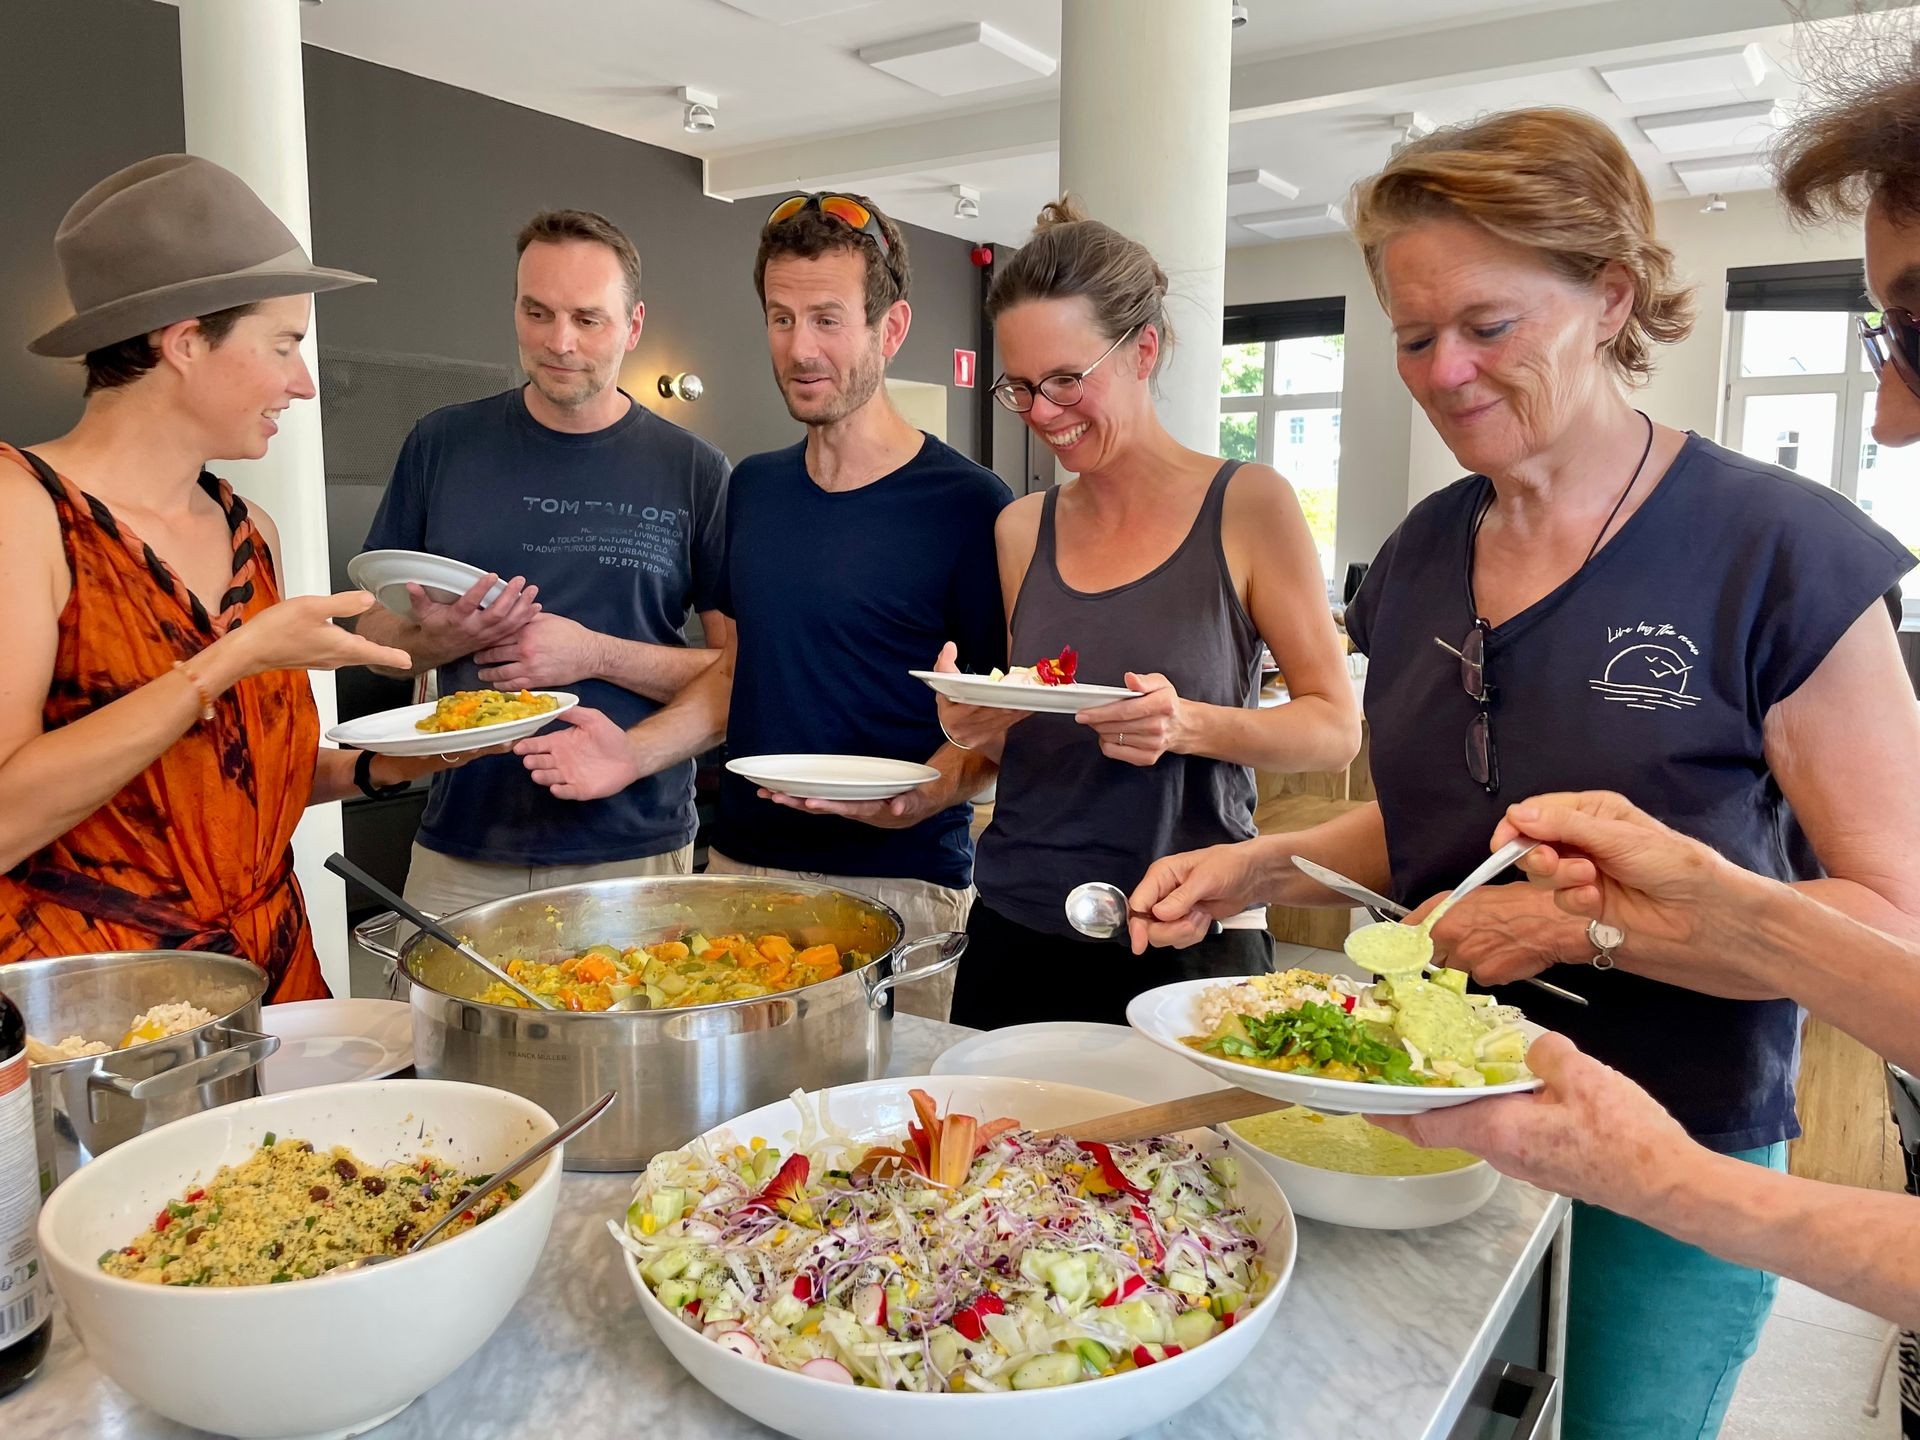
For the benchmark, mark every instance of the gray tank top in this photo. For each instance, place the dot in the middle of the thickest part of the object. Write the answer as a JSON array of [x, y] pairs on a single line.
[[1066, 813]]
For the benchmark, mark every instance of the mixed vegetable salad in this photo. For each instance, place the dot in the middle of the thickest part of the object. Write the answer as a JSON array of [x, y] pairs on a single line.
[[1401, 1029], [969, 1257]]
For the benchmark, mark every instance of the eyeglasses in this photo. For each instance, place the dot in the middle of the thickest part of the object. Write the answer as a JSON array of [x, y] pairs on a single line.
[[844, 208], [1895, 340], [1483, 759], [1063, 390]]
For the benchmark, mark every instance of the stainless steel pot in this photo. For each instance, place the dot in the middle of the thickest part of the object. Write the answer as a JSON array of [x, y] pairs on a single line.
[[85, 1106], [678, 1071]]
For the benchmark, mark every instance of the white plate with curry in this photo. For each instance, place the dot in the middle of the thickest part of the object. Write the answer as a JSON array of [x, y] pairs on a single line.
[[398, 732]]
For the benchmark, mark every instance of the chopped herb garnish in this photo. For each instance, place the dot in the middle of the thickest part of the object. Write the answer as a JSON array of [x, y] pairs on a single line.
[[267, 1143]]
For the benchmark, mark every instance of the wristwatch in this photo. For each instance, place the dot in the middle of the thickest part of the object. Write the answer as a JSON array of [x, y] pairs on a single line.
[[1605, 940], [363, 777]]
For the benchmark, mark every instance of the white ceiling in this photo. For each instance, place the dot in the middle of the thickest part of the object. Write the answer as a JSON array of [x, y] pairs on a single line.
[[1316, 83]]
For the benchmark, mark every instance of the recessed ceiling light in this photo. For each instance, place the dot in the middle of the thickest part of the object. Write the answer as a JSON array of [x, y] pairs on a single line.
[[1723, 172], [960, 60], [1307, 220], [1731, 72], [1746, 126]]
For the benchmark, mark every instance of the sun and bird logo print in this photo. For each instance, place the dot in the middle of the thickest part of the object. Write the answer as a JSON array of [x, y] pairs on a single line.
[[1651, 671]]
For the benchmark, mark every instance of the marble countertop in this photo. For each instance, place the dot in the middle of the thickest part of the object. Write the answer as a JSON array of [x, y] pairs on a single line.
[[1380, 1334]]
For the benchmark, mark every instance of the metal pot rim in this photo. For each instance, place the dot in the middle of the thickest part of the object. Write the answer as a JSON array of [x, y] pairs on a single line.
[[716, 882], [256, 979]]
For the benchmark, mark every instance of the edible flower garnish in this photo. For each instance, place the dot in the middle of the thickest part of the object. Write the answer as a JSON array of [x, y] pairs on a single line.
[[941, 1149], [1059, 670]]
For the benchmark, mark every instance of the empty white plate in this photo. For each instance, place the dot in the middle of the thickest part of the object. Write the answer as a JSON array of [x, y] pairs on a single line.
[[326, 1042], [833, 777], [1000, 695], [1101, 1057], [396, 732], [1169, 1014], [386, 573]]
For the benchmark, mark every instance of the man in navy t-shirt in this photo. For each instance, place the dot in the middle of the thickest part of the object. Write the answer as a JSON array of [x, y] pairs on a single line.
[[613, 518], [853, 557]]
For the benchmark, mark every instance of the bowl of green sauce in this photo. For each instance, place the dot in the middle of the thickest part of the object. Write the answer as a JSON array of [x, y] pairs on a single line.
[[1340, 1169]]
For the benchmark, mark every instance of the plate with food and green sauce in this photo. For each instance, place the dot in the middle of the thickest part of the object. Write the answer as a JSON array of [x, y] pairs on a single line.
[[1400, 1044]]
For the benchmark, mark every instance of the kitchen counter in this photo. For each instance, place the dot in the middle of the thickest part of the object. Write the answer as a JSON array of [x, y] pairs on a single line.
[[1380, 1334]]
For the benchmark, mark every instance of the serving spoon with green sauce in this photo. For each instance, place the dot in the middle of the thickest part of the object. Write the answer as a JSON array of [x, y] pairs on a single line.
[[1388, 948]]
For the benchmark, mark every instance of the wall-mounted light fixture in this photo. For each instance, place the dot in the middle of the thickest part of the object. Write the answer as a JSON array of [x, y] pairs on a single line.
[[966, 202], [684, 386], [702, 113]]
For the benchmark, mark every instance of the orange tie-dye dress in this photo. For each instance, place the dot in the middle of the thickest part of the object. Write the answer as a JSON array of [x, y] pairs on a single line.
[[195, 852]]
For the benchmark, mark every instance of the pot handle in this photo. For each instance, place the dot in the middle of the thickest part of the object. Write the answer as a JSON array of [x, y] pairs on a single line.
[[245, 1049], [951, 944], [376, 933]]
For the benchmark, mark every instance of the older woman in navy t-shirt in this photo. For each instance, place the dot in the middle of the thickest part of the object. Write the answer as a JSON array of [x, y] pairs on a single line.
[[1605, 603]]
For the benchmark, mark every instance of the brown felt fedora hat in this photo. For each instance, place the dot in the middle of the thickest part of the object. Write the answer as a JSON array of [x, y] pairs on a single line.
[[166, 239]]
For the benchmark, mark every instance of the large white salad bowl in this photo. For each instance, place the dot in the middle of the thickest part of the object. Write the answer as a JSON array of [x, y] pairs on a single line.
[[1102, 1409]]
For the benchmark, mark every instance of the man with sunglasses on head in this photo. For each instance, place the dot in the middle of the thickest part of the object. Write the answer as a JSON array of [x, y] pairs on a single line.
[[607, 513], [852, 557]]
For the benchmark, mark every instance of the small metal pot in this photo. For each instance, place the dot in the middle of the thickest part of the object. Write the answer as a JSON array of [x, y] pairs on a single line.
[[85, 1106], [679, 1071]]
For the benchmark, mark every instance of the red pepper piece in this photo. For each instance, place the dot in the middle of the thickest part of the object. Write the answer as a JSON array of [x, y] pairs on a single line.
[[162, 1220], [1110, 1170], [1125, 1290], [195, 1195], [1172, 1350], [1142, 1356], [971, 1321], [1349, 1001], [784, 1188]]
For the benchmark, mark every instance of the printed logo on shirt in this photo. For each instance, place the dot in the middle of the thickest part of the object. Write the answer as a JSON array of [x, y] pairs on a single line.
[[616, 533], [1651, 668]]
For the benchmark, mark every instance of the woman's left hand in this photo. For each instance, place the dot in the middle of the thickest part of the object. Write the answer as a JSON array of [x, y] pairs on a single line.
[[1140, 731], [1503, 933]]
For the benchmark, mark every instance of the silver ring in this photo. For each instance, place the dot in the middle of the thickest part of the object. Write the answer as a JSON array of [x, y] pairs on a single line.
[[1605, 939]]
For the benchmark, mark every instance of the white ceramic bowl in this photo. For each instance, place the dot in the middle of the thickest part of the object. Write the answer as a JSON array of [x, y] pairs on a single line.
[[811, 1409], [332, 1356], [1374, 1202]]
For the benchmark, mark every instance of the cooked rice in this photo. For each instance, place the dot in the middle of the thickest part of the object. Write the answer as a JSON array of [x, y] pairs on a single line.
[[1262, 995]]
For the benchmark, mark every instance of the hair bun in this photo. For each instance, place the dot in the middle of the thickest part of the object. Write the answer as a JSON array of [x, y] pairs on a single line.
[[1064, 211]]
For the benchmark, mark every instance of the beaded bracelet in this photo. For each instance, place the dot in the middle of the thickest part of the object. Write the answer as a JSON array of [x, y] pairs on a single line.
[[206, 698]]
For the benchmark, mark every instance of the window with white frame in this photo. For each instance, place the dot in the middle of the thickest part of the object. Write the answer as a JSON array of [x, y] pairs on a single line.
[[1800, 395], [1280, 406]]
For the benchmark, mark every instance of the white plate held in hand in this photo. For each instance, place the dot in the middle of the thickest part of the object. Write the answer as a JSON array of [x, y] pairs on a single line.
[[396, 732], [1001, 695], [1170, 1014], [386, 573], [833, 777]]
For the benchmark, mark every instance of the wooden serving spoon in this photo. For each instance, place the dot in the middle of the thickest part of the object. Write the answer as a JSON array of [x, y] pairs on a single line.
[[1170, 1116]]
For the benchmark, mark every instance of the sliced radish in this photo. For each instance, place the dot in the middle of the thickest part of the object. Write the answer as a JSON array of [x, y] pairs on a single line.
[[825, 1369], [870, 1305], [740, 1343]]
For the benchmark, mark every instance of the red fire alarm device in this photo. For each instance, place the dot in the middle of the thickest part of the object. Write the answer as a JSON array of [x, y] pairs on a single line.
[[963, 369]]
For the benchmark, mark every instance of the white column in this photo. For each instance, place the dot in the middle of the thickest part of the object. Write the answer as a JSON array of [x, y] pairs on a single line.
[[1143, 144], [245, 109]]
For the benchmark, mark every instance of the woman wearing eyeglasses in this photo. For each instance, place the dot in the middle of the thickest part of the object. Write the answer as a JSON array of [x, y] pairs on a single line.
[[1605, 602], [1164, 570]]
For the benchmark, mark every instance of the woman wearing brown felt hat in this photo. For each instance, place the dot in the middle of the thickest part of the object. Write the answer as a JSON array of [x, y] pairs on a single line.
[[158, 739]]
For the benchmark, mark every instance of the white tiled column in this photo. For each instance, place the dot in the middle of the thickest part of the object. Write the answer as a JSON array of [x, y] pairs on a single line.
[[240, 70], [1144, 94]]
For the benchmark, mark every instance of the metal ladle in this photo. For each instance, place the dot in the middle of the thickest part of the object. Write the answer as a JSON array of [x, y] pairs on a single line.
[[1099, 911]]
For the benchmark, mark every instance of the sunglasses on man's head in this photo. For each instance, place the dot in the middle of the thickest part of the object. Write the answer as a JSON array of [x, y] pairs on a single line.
[[1894, 341], [844, 208]]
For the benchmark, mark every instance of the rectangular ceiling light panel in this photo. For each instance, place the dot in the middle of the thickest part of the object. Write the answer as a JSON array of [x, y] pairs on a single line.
[[960, 60], [1747, 126], [1247, 189], [1725, 173], [1285, 224], [1732, 72]]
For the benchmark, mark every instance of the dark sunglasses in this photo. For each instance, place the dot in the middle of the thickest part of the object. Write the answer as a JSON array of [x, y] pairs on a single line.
[[1483, 759], [844, 208], [1894, 341]]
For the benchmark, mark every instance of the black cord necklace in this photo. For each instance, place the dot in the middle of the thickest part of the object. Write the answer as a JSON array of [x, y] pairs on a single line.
[[1473, 535]]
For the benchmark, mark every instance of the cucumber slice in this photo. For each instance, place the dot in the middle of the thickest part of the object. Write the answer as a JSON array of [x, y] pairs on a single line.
[[1193, 1327], [1044, 1372]]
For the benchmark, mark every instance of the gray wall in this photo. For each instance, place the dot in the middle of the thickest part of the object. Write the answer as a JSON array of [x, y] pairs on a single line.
[[423, 186]]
